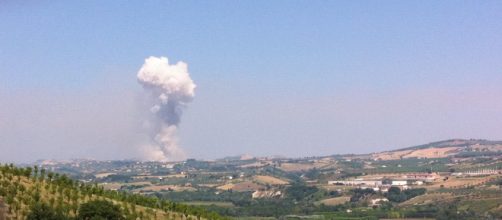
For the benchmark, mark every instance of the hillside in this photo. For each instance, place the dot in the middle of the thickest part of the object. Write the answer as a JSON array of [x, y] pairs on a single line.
[[455, 143], [442, 149], [24, 190]]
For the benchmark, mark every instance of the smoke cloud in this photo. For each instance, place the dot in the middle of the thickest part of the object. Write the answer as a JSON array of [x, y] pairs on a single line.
[[171, 89]]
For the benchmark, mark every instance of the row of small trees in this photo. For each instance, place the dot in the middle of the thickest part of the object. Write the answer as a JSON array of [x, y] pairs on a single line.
[[30, 187]]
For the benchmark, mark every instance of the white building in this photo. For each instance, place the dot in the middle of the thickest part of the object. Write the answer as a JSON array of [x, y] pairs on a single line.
[[399, 182], [378, 201], [357, 182]]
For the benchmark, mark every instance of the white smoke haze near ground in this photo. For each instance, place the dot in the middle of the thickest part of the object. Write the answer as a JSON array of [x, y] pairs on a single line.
[[171, 89]]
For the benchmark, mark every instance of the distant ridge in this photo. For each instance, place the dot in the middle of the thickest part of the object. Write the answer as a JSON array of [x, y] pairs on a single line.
[[452, 143], [437, 149], [442, 149]]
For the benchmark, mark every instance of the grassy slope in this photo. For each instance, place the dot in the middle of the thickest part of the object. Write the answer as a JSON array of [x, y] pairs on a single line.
[[20, 191], [47, 195]]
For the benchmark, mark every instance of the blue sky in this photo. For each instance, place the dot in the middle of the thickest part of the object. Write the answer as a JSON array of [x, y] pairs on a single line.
[[294, 78]]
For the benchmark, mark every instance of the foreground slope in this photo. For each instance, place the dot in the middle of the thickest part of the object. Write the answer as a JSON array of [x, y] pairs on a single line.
[[22, 189]]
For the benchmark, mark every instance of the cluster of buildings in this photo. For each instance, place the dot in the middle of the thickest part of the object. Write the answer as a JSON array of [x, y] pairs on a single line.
[[481, 172], [384, 183]]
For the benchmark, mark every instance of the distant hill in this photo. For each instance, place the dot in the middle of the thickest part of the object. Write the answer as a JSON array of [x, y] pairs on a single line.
[[441, 149], [454, 143]]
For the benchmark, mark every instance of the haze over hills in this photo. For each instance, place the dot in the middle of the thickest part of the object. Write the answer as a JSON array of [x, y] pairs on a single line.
[[424, 181], [438, 149]]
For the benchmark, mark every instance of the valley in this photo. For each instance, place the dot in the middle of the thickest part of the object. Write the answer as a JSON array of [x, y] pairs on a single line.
[[420, 182]]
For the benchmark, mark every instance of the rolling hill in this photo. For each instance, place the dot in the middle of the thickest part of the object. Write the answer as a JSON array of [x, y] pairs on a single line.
[[442, 149]]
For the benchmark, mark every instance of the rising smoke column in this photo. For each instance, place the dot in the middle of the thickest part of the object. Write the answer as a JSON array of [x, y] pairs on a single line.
[[171, 89]]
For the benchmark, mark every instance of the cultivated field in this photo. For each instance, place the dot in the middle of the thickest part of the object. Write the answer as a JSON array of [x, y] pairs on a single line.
[[246, 186], [334, 201], [433, 152], [432, 198], [209, 203], [292, 167], [270, 180], [454, 182], [295, 167], [159, 188]]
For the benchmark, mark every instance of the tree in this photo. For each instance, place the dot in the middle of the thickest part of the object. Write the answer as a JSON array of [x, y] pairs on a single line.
[[43, 211], [396, 195], [358, 194], [299, 192], [448, 212], [99, 209], [35, 172], [42, 174], [27, 172], [50, 176]]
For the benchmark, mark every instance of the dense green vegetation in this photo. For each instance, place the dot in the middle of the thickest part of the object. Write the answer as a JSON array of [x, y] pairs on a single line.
[[410, 165], [237, 198], [299, 200], [99, 209], [96, 209], [396, 195], [41, 210]]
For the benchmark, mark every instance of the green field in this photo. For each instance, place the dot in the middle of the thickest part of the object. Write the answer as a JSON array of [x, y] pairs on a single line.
[[209, 203]]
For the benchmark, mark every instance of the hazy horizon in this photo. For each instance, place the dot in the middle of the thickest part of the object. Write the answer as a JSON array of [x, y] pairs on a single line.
[[273, 78], [236, 155]]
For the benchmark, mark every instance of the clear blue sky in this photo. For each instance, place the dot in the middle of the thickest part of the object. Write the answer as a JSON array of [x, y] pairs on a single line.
[[293, 78]]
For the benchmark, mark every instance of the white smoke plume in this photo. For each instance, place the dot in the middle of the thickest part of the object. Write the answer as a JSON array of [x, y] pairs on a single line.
[[171, 89]]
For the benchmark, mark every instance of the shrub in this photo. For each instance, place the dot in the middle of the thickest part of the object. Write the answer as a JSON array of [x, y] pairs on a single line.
[[43, 211], [99, 209]]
